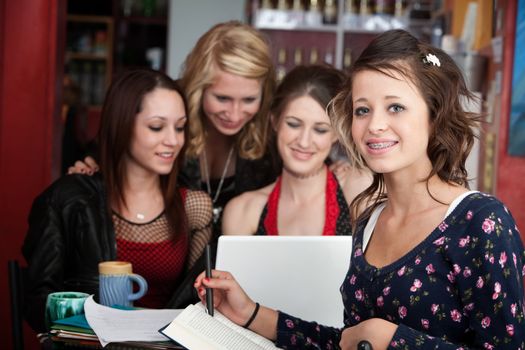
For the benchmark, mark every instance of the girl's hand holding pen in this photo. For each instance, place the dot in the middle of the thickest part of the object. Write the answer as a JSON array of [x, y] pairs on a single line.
[[228, 296]]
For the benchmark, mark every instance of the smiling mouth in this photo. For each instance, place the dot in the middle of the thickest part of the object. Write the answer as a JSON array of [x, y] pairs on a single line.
[[230, 124], [166, 155], [381, 145], [302, 154]]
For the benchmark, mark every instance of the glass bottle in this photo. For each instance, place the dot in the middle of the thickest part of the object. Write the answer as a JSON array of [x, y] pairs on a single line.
[[350, 6], [313, 16], [282, 5], [347, 58], [398, 8], [297, 5], [298, 56], [364, 7], [281, 66], [329, 57], [330, 12], [314, 6], [266, 4], [314, 56]]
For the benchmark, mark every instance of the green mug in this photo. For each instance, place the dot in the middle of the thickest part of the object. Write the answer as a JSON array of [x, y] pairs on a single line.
[[61, 305]]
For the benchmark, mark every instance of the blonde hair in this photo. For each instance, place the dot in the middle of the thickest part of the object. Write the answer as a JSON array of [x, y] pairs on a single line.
[[239, 49]]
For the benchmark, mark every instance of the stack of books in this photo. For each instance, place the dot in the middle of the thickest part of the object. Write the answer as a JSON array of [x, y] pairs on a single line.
[[75, 332]]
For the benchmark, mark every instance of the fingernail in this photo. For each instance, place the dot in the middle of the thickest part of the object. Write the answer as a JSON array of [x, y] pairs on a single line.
[[206, 279]]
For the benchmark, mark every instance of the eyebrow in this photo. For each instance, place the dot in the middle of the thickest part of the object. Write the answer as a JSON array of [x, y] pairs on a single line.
[[300, 120], [184, 117], [224, 95], [388, 97]]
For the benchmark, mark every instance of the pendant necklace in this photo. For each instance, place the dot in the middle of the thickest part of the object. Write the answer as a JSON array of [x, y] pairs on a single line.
[[216, 209]]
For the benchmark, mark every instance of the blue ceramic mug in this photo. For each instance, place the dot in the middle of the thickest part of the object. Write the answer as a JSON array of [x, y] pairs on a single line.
[[61, 305], [116, 284]]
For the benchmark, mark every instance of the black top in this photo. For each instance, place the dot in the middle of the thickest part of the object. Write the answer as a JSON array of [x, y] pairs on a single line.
[[249, 175]]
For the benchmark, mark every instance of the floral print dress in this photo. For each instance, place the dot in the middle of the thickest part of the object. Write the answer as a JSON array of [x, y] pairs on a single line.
[[462, 287]]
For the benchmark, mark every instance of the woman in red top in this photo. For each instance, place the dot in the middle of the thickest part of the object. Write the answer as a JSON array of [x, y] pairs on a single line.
[[133, 210], [308, 198]]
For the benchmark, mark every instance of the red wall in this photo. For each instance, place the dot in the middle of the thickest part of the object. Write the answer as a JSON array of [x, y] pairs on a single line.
[[29, 120], [510, 187]]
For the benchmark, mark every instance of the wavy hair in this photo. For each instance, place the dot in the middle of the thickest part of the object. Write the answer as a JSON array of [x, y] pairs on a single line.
[[442, 87], [239, 49], [122, 104]]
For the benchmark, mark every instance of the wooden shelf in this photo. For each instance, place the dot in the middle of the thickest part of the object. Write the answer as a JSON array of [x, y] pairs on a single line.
[[86, 56], [160, 21], [330, 28], [89, 54], [90, 19]]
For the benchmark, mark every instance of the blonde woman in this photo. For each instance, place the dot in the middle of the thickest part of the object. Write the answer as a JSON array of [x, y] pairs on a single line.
[[228, 79]]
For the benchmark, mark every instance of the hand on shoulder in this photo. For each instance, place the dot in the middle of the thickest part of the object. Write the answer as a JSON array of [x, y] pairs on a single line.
[[89, 166]]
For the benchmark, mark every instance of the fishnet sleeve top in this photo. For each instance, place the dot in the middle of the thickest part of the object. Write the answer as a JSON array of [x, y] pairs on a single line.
[[198, 207]]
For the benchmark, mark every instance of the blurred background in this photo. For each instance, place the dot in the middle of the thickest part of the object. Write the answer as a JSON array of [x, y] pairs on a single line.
[[57, 58]]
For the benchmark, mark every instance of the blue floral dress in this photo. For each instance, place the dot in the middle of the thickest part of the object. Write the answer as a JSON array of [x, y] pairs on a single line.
[[462, 287]]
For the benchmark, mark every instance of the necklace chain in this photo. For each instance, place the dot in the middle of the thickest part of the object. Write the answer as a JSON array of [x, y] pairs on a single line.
[[207, 174]]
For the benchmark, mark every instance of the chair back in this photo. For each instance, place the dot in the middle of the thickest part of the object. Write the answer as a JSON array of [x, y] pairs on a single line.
[[16, 295]]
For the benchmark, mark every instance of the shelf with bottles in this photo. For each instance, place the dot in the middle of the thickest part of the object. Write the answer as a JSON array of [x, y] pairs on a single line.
[[311, 15], [301, 47], [337, 29], [89, 55], [330, 15]]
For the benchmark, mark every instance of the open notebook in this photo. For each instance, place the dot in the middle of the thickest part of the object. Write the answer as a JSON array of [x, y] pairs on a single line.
[[299, 275]]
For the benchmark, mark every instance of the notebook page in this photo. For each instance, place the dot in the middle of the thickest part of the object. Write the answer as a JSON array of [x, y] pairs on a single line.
[[217, 330]]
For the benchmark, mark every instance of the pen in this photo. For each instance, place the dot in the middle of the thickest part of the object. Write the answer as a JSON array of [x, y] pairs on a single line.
[[209, 291], [364, 345]]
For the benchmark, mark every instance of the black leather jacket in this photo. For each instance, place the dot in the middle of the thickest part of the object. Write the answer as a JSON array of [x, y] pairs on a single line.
[[70, 232]]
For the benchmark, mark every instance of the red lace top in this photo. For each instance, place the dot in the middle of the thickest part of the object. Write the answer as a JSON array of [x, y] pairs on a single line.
[[155, 255], [337, 214]]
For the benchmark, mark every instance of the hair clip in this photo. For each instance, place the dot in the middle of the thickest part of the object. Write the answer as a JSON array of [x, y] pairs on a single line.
[[431, 59]]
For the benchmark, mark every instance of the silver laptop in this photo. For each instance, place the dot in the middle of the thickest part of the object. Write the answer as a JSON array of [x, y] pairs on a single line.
[[299, 275]]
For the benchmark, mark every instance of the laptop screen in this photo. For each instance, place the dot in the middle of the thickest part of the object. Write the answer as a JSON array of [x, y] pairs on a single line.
[[299, 275]]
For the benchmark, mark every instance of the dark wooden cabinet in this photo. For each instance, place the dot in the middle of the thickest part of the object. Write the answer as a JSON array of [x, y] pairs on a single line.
[[104, 38]]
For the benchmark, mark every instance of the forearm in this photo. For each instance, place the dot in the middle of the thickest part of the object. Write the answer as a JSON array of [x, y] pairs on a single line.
[[265, 323]]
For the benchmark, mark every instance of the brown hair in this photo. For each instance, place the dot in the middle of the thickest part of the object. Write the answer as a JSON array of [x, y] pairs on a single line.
[[321, 83], [239, 49], [122, 104], [442, 87]]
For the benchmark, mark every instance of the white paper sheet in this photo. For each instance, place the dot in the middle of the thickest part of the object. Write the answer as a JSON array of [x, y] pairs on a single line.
[[114, 325]]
